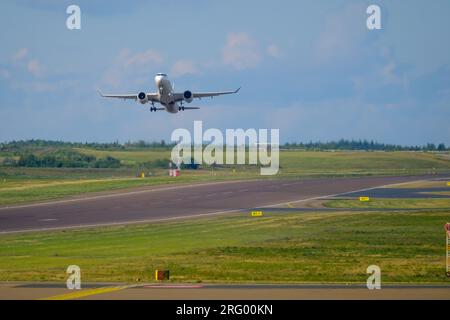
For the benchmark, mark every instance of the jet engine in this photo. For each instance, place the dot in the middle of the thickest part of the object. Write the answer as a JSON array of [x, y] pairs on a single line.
[[188, 96], [142, 96]]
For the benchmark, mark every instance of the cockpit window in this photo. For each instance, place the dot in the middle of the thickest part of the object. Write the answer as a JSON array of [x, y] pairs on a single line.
[[161, 74]]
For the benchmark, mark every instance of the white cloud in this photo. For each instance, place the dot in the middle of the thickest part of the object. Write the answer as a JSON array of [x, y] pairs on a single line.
[[135, 67], [20, 54], [36, 68], [182, 67], [141, 58], [274, 51], [241, 51], [342, 35], [389, 74]]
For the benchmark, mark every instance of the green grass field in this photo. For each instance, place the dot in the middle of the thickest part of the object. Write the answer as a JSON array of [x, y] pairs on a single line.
[[22, 185], [129, 157], [278, 247], [362, 162], [390, 203], [311, 162]]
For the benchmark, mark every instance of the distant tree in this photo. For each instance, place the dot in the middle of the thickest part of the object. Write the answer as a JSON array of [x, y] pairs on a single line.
[[9, 162], [108, 162], [28, 160]]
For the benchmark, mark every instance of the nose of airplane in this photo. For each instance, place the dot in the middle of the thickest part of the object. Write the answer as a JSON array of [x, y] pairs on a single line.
[[158, 79]]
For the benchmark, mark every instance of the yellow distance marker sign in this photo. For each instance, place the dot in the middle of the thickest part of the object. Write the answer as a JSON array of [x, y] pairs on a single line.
[[256, 213], [448, 184], [364, 199]]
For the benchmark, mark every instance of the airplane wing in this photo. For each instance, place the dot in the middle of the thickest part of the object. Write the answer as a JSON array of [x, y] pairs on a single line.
[[199, 95], [213, 94], [132, 96]]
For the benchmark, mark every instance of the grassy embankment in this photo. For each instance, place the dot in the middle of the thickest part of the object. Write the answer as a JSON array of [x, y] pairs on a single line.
[[278, 247]]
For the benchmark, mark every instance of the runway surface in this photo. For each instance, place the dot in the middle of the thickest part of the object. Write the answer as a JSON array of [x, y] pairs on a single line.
[[58, 291], [182, 201]]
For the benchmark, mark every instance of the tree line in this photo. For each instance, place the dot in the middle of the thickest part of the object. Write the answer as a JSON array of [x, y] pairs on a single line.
[[362, 145], [110, 146], [342, 144], [61, 159]]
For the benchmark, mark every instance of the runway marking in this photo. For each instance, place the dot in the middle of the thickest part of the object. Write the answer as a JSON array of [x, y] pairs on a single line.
[[290, 205], [85, 293], [191, 216], [48, 220]]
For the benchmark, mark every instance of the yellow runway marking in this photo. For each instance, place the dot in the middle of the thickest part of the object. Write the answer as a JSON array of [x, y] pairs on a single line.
[[290, 205], [85, 293]]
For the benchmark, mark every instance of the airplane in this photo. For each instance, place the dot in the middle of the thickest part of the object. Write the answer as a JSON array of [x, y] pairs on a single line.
[[170, 100]]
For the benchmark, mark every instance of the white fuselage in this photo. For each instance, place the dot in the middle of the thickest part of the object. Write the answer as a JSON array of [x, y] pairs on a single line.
[[165, 91]]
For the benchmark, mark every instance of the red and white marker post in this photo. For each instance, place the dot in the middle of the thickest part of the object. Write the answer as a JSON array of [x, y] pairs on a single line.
[[174, 172]]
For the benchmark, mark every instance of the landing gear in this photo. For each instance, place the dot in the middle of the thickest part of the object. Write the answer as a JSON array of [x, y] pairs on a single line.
[[181, 108], [152, 109]]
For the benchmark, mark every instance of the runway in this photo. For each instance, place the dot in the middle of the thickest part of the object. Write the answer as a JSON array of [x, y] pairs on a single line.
[[181, 201], [173, 291]]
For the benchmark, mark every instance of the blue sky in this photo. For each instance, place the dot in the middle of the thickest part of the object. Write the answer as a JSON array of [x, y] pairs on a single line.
[[310, 68]]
